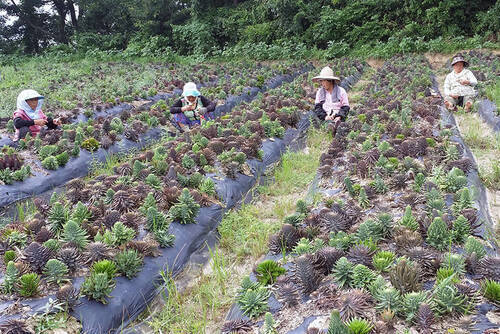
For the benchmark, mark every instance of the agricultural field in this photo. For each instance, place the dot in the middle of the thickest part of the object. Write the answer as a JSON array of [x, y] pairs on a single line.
[[384, 227]]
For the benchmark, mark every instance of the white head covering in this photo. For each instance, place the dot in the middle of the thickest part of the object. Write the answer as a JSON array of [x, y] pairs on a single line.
[[190, 89], [326, 74], [28, 94]]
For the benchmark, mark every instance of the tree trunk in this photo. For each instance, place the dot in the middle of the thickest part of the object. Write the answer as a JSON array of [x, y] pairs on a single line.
[[61, 20], [74, 20]]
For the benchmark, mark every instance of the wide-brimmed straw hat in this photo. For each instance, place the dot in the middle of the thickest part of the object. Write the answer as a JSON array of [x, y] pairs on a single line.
[[459, 58], [326, 74], [190, 89]]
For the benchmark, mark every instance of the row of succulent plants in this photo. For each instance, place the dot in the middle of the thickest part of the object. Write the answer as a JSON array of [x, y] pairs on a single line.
[[397, 243], [106, 226], [90, 86], [54, 148]]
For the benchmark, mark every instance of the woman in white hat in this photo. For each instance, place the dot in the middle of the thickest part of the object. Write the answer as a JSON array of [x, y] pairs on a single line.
[[459, 85], [29, 116], [192, 107], [331, 102]]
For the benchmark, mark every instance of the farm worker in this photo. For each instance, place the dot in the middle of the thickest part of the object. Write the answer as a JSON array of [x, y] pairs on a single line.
[[331, 104], [192, 107], [29, 116], [459, 85]]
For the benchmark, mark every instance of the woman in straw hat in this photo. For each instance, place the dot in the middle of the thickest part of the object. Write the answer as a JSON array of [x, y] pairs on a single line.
[[331, 104], [459, 85], [192, 107], [29, 117]]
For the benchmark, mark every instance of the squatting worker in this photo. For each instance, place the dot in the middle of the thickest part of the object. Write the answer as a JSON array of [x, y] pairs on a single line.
[[192, 107], [459, 85], [29, 116], [331, 104]]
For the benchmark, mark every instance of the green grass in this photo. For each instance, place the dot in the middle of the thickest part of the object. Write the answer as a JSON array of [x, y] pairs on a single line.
[[244, 234], [493, 93]]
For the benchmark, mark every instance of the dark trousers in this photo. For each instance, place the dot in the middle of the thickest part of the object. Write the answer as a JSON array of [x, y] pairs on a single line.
[[23, 131]]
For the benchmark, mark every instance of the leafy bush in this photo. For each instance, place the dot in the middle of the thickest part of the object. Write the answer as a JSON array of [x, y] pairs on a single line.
[[438, 234], [382, 260], [56, 271], [50, 163], [9, 255], [98, 286], [343, 272], [75, 234], [28, 285], [186, 209]]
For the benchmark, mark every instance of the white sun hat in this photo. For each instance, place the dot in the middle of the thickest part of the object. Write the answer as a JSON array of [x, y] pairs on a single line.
[[326, 74], [190, 89]]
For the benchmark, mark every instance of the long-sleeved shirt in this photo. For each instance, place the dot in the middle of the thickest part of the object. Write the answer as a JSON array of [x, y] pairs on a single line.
[[328, 107], [210, 105], [452, 85], [20, 123]]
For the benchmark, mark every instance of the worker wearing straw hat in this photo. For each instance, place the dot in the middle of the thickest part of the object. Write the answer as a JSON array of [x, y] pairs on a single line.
[[459, 85], [331, 104], [192, 108]]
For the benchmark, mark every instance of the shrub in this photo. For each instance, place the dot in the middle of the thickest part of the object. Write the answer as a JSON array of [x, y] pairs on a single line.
[[9, 255], [28, 284], [267, 272], [90, 144], [74, 234], [129, 263], [50, 163], [98, 286]]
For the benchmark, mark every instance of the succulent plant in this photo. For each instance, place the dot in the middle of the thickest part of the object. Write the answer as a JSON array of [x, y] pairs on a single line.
[[306, 276], [359, 326], [253, 302], [90, 144], [73, 233], [369, 229], [411, 304], [98, 286], [97, 251], [399, 181], [15, 326], [10, 278], [427, 259], [43, 235], [146, 247], [267, 272], [68, 296], [186, 209], [408, 220], [489, 267], [70, 257], [343, 271], [491, 290], [464, 201], [28, 284], [237, 326], [363, 200], [447, 299], [336, 325], [474, 246], [453, 261], [325, 258], [361, 254], [50, 163], [36, 256], [123, 201], [425, 319], [461, 229], [354, 303], [382, 260], [128, 263], [438, 234], [288, 294], [164, 238], [81, 213], [388, 298], [405, 276], [362, 276], [58, 216], [56, 271], [9, 255]]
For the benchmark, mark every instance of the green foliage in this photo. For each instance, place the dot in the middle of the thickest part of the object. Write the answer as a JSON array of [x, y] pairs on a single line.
[[443, 273], [359, 326], [187, 162], [340, 240], [267, 272], [296, 219], [117, 125], [455, 180], [382, 260], [447, 299], [153, 181], [98, 286], [412, 302], [81, 213], [388, 298], [164, 238], [369, 229], [362, 276], [47, 151], [343, 272], [186, 209], [491, 290], [90, 144], [301, 207], [74, 233], [156, 220], [461, 229], [348, 184], [379, 185], [52, 244], [207, 186], [453, 261], [58, 216], [56, 271], [438, 234], [336, 325], [408, 220], [122, 234], [62, 159], [50, 163], [137, 167], [405, 276], [10, 278], [128, 262], [9, 255], [475, 246], [104, 266], [28, 285], [253, 302], [269, 324], [363, 200], [17, 238], [419, 182], [463, 201]]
